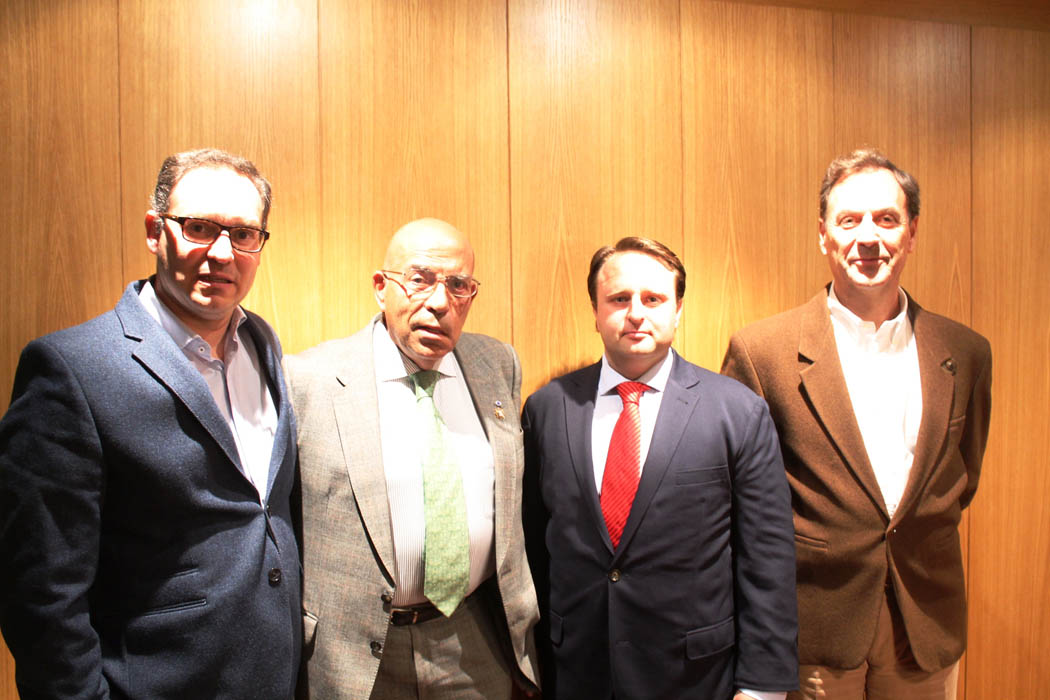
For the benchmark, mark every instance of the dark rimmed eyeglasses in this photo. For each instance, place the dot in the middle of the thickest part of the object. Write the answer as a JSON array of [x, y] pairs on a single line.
[[204, 232], [419, 280]]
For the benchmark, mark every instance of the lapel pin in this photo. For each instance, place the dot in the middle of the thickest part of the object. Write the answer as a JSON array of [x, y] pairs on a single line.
[[499, 410], [949, 365]]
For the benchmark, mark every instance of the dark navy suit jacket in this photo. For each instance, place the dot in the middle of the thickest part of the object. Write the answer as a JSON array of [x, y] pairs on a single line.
[[136, 560], [698, 599]]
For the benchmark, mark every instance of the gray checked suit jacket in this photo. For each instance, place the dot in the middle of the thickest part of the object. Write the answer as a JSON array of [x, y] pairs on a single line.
[[348, 553]]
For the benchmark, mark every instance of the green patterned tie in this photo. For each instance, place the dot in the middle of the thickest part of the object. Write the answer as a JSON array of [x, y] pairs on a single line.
[[446, 553]]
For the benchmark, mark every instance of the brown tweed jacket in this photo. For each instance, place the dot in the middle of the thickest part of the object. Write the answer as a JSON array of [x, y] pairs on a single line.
[[847, 546]]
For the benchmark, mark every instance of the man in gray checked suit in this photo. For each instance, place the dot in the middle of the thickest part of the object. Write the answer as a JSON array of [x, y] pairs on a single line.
[[416, 582]]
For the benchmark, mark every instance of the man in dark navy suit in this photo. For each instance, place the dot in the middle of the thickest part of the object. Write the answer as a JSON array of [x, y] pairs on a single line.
[[146, 463], [657, 513]]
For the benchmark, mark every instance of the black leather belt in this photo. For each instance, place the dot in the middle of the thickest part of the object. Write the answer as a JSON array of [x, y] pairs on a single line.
[[413, 614]]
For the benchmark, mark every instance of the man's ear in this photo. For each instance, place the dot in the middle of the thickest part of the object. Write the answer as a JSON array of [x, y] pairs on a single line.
[[379, 289], [822, 234], [154, 225], [913, 230]]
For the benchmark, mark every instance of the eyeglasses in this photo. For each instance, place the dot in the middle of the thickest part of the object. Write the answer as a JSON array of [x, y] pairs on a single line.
[[417, 280], [204, 232]]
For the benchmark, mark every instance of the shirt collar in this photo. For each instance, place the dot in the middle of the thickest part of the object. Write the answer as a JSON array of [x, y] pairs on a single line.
[[655, 378], [392, 365], [175, 328], [893, 334]]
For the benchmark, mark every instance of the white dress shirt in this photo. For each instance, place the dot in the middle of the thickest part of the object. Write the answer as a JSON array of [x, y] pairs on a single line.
[[608, 405], [881, 367], [607, 408], [237, 384], [403, 465]]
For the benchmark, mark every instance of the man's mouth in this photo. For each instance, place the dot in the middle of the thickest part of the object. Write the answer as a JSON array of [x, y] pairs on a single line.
[[214, 278], [432, 330]]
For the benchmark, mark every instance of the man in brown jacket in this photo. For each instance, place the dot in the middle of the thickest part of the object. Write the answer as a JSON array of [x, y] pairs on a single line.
[[882, 410]]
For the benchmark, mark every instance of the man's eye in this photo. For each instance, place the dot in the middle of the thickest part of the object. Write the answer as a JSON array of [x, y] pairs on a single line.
[[197, 227], [243, 234], [457, 284]]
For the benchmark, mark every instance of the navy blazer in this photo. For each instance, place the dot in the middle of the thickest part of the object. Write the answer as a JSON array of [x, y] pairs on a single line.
[[136, 560], [698, 599]]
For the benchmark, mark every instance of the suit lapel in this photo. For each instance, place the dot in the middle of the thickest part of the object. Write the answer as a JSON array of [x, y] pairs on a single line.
[[825, 386], [486, 384], [937, 376], [265, 346], [579, 414], [681, 395], [157, 352], [356, 409]]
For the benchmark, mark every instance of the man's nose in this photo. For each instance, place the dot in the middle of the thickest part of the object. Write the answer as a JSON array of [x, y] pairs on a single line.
[[222, 247], [867, 232], [635, 309], [438, 299]]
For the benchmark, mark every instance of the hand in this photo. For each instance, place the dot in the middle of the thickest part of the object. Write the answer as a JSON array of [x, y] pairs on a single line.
[[812, 687]]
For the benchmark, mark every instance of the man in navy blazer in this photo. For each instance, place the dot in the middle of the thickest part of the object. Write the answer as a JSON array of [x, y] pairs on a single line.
[[686, 589], [146, 463]]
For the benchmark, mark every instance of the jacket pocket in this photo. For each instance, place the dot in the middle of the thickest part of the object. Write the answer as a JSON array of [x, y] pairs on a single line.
[[704, 475], [811, 542], [710, 640]]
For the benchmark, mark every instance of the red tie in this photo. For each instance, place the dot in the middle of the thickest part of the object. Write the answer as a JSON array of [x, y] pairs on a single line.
[[623, 465]]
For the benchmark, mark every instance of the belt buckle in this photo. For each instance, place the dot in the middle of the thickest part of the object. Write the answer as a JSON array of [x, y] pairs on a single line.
[[414, 612]]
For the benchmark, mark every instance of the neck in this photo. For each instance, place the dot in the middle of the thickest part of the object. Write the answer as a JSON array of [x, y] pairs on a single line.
[[634, 370], [875, 308], [212, 330]]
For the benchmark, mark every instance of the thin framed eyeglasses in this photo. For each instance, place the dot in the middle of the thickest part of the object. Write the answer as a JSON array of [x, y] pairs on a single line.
[[205, 232], [418, 280]]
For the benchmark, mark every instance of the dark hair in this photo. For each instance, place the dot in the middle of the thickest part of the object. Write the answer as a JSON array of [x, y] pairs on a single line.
[[647, 246], [177, 165], [868, 159]]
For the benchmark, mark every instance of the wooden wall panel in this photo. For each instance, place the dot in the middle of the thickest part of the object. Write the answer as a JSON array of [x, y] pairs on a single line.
[[595, 148], [757, 104], [59, 179], [904, 87], [414, 123], [1026, 14], [1010, 520], [59, 170], [240, 76]]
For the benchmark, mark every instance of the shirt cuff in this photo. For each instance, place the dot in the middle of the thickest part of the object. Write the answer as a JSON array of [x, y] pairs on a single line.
[[764, 694]]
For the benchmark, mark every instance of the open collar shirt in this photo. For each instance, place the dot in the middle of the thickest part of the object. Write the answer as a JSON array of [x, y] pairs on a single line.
[[237, 383], [881, 367]]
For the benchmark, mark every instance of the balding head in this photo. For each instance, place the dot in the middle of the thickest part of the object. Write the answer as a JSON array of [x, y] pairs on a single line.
[[427, 324], [429, 237]]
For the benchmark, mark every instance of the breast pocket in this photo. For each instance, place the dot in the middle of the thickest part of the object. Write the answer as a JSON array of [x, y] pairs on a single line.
[[703, 475]]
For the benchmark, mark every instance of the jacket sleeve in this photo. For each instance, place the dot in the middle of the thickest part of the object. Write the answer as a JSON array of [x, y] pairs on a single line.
[[52, 480], [763, 560]]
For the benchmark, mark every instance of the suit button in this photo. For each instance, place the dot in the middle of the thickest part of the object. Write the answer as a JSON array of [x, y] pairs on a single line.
[[376, 647], [274, 576], [614, 575], [386, 597]]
